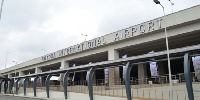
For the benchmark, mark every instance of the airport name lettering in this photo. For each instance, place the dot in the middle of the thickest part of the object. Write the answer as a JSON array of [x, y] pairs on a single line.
[[76, 48], [126, 33], [49, 56], [129, 32]]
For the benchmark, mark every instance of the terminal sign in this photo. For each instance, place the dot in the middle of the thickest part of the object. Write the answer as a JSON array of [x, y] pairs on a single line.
[[142, 28], [76, 48], [113, 37]]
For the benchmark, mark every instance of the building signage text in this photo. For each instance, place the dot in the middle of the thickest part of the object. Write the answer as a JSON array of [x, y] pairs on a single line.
[[120, 35]]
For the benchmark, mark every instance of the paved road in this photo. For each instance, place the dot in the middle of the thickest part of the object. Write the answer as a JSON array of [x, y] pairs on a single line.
[[7, 97]]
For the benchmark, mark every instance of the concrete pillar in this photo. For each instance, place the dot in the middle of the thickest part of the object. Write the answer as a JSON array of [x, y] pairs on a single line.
[[37, 70], [2, 87], [142, 72], [9, 75], [21, 74], [113, 72], [64, 65]]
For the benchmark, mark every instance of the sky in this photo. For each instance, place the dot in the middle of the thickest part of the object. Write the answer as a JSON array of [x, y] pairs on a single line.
[[32, 28]]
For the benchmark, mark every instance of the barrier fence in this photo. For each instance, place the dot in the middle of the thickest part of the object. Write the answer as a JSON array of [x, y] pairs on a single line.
[[114, 87], [147, 91]]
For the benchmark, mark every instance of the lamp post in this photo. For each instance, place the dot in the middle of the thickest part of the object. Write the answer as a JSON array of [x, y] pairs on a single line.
[[1, 8], [167, 46], [171, 5], [6, 58], [84, 36]]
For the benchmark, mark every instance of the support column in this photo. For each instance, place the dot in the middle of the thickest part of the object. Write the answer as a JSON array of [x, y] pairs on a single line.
[[1, 85], [9, 75], [38, 70], [64, 64], [9, 84], [141, 73], [113, 72], [188, 78], [21, 73]]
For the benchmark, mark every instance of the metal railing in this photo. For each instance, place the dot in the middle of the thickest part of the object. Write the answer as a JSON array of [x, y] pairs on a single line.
[[138, 90]]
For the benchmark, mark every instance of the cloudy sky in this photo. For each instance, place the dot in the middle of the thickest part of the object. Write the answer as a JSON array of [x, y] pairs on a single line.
[[28, 26]]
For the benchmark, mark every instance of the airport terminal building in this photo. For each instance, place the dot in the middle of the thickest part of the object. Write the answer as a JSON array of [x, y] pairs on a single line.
[[183, 29]]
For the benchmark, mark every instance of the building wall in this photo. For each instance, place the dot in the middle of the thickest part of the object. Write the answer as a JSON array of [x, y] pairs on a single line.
[[176, 25]]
